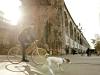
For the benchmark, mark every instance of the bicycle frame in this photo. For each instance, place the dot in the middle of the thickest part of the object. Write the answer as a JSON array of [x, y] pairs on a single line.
[[15, 52]]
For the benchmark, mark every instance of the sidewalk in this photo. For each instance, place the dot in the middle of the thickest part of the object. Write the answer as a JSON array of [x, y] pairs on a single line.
[[7, 68]]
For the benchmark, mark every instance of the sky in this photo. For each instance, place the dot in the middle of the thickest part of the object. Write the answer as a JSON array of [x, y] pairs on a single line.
[[87, 13]]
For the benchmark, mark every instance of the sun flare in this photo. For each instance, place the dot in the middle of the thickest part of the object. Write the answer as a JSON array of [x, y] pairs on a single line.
[[11, 10]]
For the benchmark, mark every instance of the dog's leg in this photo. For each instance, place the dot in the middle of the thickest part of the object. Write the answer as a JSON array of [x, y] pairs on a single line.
[[51, 71], [60, 67]]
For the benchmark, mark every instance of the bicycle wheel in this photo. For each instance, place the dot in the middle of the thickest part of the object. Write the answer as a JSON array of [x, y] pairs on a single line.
[[15, 55], [38, 56]]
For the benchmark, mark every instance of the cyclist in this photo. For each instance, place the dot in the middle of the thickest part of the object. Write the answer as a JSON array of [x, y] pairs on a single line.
[[26, 37]]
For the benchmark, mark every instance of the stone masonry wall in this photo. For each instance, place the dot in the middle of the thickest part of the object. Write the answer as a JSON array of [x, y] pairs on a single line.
[[47, 18]]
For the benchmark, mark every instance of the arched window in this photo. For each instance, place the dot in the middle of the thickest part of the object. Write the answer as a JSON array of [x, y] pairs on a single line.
[[66, 22], [75, 34], [71, 30], [80, 39]]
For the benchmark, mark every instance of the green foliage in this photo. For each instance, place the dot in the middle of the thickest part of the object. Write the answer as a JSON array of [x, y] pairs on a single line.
[[97, 47], [93, 41]]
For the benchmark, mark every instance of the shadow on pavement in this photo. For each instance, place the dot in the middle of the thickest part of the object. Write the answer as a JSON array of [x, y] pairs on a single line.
[[26, 69]]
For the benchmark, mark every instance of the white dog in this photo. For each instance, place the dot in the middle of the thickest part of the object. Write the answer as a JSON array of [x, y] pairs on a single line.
[[56, 60]]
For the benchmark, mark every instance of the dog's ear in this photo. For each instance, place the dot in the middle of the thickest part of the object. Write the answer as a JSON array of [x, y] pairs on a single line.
[[67, 60]]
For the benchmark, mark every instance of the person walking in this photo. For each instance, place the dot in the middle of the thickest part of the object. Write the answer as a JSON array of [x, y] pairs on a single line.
[[88, 52]]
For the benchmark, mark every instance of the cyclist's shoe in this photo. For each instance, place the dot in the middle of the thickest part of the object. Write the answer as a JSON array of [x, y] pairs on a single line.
[[25, 60]]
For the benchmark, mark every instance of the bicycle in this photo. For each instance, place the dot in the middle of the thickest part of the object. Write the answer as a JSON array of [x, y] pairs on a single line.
[[33, 51]]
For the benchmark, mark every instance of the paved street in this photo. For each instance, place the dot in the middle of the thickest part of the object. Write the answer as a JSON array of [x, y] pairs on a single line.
[[81, 65]]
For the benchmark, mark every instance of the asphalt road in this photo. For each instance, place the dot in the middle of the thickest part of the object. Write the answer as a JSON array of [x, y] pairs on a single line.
[[81, 65]]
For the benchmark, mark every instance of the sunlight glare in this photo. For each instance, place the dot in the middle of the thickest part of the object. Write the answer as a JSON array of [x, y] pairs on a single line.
[[11, 10]]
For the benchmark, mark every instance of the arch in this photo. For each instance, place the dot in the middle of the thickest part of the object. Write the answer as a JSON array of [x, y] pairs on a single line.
[[66, 22], [71, 30], [74, 33]]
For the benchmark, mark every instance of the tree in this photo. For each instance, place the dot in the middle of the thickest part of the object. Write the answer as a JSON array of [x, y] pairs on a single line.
[[93, 41], [97, 47]]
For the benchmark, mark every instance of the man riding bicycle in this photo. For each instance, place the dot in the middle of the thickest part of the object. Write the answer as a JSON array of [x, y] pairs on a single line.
[[25, 38]]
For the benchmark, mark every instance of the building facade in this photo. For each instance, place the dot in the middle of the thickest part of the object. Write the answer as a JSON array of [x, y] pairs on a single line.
[[73, 34], [7, 34]]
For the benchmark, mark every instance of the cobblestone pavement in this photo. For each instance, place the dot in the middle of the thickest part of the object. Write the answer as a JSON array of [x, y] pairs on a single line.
[[81, 65]]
